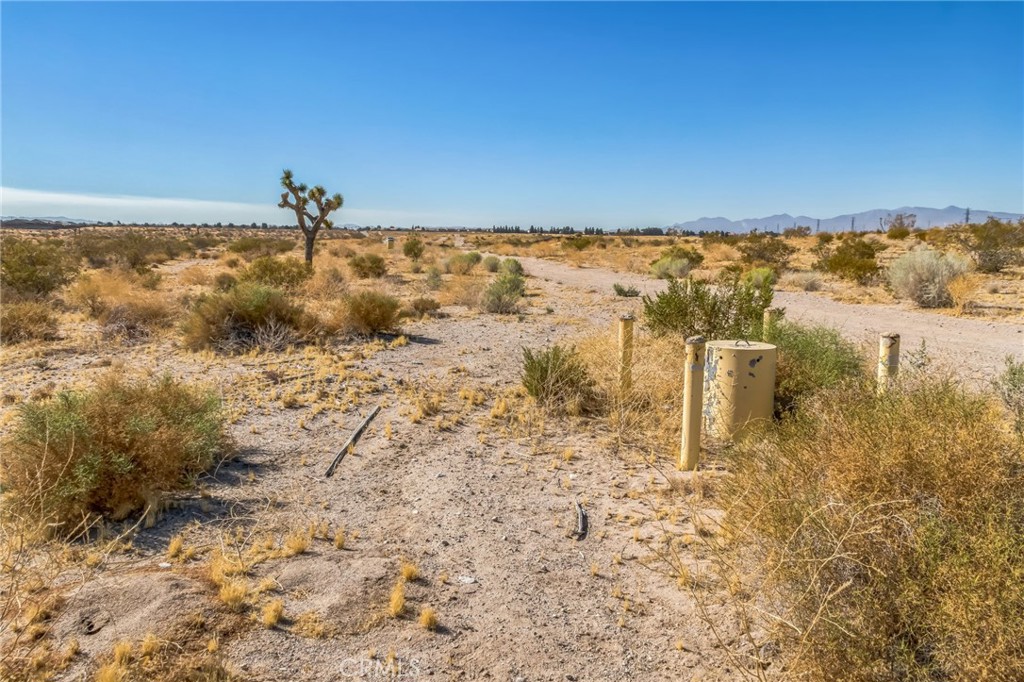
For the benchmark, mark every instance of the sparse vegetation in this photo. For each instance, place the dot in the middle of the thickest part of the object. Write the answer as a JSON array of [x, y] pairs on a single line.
[[764, 250], [1009, 386], [281, 273], [994, 245], [904, 531], [810, 359], [413, 248], [26, 321], [35, 268], [627, 292], [255, 247], [854, 258], [370, 312], [503, 294]]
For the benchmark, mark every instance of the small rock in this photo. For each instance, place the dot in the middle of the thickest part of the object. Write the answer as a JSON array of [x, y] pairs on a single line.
[[467, 579]]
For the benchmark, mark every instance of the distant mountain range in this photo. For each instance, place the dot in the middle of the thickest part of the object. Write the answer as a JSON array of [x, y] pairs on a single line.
[[865, 220]]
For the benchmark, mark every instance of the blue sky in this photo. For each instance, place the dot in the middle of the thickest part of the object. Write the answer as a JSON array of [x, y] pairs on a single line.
[[609, 114]]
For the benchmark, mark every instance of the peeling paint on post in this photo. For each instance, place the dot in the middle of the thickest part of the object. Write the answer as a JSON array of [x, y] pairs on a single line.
[[625, 354], [739, 387], [888, 359], [693, 387]]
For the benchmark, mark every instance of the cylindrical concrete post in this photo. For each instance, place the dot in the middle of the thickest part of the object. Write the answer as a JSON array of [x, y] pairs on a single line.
[[625, 353], [693, 389], [390, 241], [739, 387], [888, 359]]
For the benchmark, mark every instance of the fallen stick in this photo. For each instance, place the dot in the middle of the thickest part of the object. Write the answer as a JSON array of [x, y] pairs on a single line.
[[581, 521], [350, 442]]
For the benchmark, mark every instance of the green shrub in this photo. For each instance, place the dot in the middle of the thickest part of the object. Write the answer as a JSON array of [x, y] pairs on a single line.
[[254, 247], [557, 378], [853, 258], [370, 312], [761, 277], [35, 268], [246, 316], [882, 536], [412, 248], [731, 310], [627, 292], [513, 267], [503, 294], [670, 268], [806, 281], [461, 263], [368, 265], [491, 263], [110, 450], [27, 320], [810, 359], [682, 252], [761, 249], [897, 232], [994, 245], [579, 242], [923, 276], [1009, 386], [281, 273], [433, 280]]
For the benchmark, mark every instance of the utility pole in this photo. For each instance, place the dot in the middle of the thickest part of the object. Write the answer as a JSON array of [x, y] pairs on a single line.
[[853, 223], [817, 228], [967, 217]]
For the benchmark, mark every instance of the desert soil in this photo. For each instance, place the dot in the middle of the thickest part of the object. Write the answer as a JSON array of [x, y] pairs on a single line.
[[487, 518]]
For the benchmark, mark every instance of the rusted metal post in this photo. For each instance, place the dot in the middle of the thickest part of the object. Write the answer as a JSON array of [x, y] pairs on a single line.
[[888, 359], [625, 354], [693, 403]]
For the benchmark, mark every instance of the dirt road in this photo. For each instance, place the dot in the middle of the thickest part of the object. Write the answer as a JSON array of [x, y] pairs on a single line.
[[975, 346]]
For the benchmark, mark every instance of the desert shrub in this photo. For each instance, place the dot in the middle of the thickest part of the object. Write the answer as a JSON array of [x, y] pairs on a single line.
[[731, 310], [132, 250], [579, 242], [1009, 386], [882, 536], [853, 258], [26, 320], [117, 300], [464, 291], [513, 267], [370, 312], [670, 268], [806, 281], [761, 277], [326, 283], [995, 244], [247, 315], [503, 294], [796, 232], [824, 238], [254, 247], [424, 306], [557, 378], [491, 263], [627, 292], [676, 261], [962, 290], [412, 248], [281, 273], [460, 263], [433, 280], [761, 249], [35, 268], [897, 232], [923, 276], [110, 450], [368, 266], [810, 359], [224, 281]]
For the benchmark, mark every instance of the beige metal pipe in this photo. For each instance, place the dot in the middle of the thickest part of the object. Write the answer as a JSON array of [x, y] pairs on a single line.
[[739, 387], [693, 388], [625, 354], [888, 360]]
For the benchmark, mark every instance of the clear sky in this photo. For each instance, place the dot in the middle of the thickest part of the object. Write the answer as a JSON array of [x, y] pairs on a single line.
[[608, 114]]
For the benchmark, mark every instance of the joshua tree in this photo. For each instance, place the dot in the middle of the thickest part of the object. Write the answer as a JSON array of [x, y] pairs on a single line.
[[297, 198]]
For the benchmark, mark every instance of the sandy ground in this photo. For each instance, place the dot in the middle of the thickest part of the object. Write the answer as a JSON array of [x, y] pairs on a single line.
[[488, 517]]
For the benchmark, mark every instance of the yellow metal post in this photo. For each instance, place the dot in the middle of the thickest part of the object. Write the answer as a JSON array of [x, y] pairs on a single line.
[[625, 354], [693, 403], [888, 359]]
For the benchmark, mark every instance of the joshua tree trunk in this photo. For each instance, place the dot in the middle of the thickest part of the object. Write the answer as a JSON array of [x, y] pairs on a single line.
[[309, 249]]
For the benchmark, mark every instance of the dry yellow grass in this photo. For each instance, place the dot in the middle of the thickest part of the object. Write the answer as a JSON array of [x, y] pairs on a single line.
[[410, 571], [428, 618], [234, 593], [272, 613], [396, 603], [296, 543]]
